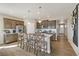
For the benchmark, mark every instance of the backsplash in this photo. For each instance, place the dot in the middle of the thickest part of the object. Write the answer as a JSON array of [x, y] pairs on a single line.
[[46, 30]]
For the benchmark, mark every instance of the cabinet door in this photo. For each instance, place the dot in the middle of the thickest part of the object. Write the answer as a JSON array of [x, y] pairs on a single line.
[[13, 24], [7, 23], [39, 25], [9, 38], [52, 24], [19, 22], [45, 23]]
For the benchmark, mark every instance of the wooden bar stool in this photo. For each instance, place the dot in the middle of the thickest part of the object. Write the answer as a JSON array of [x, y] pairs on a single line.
[[31, 42], [21, 40]]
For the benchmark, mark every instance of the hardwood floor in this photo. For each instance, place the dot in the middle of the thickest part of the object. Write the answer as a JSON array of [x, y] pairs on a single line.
[[13, 50], [61, 47]]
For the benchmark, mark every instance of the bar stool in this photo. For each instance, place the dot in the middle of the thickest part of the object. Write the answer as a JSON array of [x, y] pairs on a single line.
[[31, 42], [44, 48], [20, 40], [26, 41], [43, 45], [38, 44]]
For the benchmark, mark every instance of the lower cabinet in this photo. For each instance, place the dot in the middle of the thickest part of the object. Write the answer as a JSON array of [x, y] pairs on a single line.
[[9, 38], [53, 37]]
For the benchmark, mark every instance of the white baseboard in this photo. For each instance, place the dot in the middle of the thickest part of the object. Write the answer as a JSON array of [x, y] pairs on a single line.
[[74, 47]]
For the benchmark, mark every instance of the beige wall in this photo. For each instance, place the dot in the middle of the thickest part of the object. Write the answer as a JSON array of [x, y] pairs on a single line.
[[1, 29]]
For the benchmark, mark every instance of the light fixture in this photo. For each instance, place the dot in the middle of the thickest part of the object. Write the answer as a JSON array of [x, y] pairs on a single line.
[[39, 18], [39, 21], [29, 23], [61, 26], [29, 15]]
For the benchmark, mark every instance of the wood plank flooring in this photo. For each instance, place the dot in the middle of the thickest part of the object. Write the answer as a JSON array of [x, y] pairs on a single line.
[[61, 47], [13, 50]]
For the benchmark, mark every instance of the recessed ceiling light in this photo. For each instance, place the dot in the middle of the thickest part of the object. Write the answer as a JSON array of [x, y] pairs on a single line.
[[29, 23], [39, 21], [61, 26]]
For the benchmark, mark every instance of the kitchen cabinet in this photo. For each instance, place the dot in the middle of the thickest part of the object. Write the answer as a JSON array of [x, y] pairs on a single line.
[[19, 23], [47, 24], [11, 24], [7, 23], [52, 24], [39, 25], [9, 38]]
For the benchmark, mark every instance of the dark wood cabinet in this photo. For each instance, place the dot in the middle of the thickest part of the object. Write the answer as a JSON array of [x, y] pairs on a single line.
[[7, 23], [11, 24], [52, 24], [46, 24], [9, 38], [19, 23], [39, 25]]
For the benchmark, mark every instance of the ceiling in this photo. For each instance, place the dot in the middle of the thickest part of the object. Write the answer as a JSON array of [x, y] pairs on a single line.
[[48, 10]]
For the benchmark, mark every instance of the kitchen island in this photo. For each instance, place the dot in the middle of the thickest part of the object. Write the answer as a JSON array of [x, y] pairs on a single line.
[[48, 40]]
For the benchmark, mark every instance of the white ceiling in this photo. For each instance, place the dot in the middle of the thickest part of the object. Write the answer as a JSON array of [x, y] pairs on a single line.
[[53, 10]]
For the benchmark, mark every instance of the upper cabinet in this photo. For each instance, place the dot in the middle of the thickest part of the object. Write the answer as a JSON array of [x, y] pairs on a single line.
[[38, 25], [7, 23], [52, 24], [46, 24], [19, 23], [11, 24]]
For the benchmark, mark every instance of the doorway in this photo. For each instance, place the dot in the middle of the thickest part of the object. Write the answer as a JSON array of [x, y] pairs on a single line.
[[61, 29]]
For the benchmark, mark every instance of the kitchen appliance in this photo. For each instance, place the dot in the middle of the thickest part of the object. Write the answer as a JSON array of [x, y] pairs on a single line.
[[10, 36], [19, 28]]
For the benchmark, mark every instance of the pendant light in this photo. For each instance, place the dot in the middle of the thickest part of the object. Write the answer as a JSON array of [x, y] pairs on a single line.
[[39, 18], [29, 17]]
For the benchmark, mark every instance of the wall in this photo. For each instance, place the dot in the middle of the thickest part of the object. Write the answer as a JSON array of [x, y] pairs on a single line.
[[70, 36], [78, 34], [1, 29], [69, 30]]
